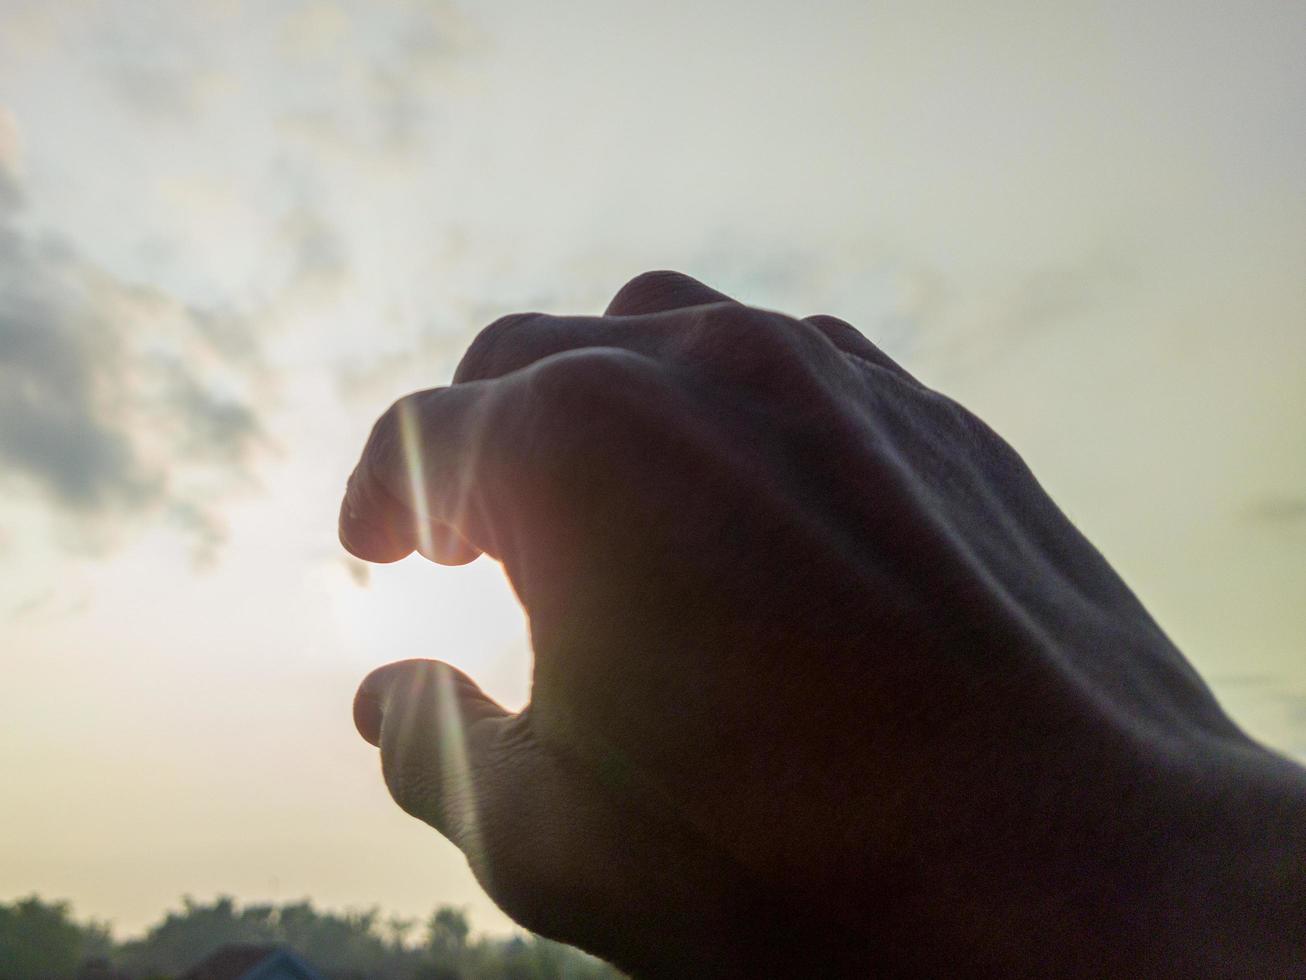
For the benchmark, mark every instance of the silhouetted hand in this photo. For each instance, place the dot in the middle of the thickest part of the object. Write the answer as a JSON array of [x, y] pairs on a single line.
[[824, 682]]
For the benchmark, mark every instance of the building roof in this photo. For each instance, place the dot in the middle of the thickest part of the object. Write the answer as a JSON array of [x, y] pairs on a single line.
[[244, 961]]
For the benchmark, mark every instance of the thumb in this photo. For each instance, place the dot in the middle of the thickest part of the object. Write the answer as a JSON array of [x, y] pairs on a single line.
[[436, 730], [561, 851]]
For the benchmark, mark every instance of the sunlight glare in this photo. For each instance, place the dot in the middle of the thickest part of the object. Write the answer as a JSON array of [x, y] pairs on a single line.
[[458, 790], [466, 616], [410, 437]]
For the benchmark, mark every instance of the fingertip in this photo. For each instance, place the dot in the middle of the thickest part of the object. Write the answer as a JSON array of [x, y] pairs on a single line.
[[367, 526], [377, 690], [368, 716], [370, 542], [445, 546], [408, 684]]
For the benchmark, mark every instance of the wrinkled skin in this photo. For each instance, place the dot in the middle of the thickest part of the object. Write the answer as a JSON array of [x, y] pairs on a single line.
[[824, 683]]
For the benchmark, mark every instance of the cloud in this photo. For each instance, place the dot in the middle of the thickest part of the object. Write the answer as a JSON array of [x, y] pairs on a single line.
[[318, 255], [50, 604], [861, 280], [118, 404], [11, 161], [360, 573], [366, 77], [10, 197], [866, 282], [428, 360], [1293, 706], [162, 66], [972, 336], [394, 71], [1277, 510]]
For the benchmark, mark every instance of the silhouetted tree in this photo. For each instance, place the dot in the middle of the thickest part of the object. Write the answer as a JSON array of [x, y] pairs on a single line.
[[40, 940], [447, 931]]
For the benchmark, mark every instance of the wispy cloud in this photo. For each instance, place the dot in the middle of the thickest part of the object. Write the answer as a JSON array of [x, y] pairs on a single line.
[[383, 90], [319, 258], [50, 604], [364, 76], [1277, 510], [360, 573]]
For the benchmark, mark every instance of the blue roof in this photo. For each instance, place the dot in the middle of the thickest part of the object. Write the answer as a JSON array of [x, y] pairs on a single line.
[[237, 961]]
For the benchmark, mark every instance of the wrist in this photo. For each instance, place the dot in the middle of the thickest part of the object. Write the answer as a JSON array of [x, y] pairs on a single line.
[[1201, 874], [1189, 860], [1232, 895]]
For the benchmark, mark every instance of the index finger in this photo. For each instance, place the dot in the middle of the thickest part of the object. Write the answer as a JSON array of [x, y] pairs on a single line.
[[660, 291], [387, 511], [485, 465]]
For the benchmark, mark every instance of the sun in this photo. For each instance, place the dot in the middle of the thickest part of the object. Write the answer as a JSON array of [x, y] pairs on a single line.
[[466, 616]]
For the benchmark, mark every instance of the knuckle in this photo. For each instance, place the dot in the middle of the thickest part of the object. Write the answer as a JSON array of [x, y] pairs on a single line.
[[728, 328], [583, 383], [756, 348], [826, 321], [580, 407], [841, 333], [646, 286], [498, 347]]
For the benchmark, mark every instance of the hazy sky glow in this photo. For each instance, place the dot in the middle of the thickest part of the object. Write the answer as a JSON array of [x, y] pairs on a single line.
[[231, 233]]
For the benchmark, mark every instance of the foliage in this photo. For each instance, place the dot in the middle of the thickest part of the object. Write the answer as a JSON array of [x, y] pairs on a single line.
[[41, 941]]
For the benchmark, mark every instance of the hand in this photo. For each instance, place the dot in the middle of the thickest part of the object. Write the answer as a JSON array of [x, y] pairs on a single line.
[[824, 682]]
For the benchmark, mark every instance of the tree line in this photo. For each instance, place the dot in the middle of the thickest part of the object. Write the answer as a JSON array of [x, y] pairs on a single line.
[[41, 940]]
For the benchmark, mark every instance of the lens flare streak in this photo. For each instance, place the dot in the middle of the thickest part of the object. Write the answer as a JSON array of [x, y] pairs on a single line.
[[411, 440]]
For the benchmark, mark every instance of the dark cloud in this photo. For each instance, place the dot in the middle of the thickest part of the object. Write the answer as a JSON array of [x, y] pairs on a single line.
[[209, 426], [58, 363], [117, 404]]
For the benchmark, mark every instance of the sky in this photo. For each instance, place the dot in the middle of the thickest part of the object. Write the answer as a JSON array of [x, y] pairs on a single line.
[[231, 233]]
